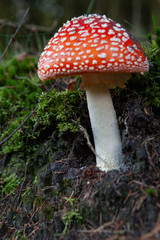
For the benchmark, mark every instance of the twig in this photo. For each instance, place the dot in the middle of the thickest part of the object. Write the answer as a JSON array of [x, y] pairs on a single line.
[[13, 36], [30, 27], [84, 131], [155, 231], [33, 111]]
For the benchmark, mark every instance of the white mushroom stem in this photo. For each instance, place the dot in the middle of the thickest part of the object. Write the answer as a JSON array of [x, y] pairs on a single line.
[[104, 124], [105, 128]]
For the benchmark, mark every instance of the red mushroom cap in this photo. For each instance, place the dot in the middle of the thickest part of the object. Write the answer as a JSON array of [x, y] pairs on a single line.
[[91, 43]]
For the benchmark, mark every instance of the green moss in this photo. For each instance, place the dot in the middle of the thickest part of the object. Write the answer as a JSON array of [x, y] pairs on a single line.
[[60, 107], [9, 183]]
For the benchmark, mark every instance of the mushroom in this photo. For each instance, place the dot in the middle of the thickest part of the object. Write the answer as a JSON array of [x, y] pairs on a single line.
[[105, 54]]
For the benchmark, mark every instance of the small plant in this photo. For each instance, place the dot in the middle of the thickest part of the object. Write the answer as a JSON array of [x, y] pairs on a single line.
[[72, 215]]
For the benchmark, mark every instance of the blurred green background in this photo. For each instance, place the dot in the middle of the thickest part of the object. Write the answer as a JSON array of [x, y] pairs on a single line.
[[46, 16]]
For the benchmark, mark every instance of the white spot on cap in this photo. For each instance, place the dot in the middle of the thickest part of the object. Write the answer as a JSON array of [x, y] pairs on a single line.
[[85, 34], [94, 62], [84, 45], [94, 35], [90, 20], [55, 55], [111, 32], [116, 39], [128, 57], [74, 21], [63, 39], [139, 60], [114, 54], [70, 29], [116, 29], [102, 55], [112, 60], [63, 54], [96, 40], [104, 25], [115, 43], [118, 25], [93, 45], [99, 48], [76, 44], [101, 30], [73, 32], [61, 34], [73, 38], [78, 58], [126, 34], [114, 49], [49, 53], [81, 53], [55, 35], [82, 31], [69, 59], [124, 39], [68, 43], [109, 65], [88, 51], [47, 66], [60, 47], [103, 41], [101, 66]]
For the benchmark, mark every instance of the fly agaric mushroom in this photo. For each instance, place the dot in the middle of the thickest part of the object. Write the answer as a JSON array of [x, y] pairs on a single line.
[[105, 54]]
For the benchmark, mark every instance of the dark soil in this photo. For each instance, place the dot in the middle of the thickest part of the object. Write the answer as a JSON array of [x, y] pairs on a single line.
[[118, 205]]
